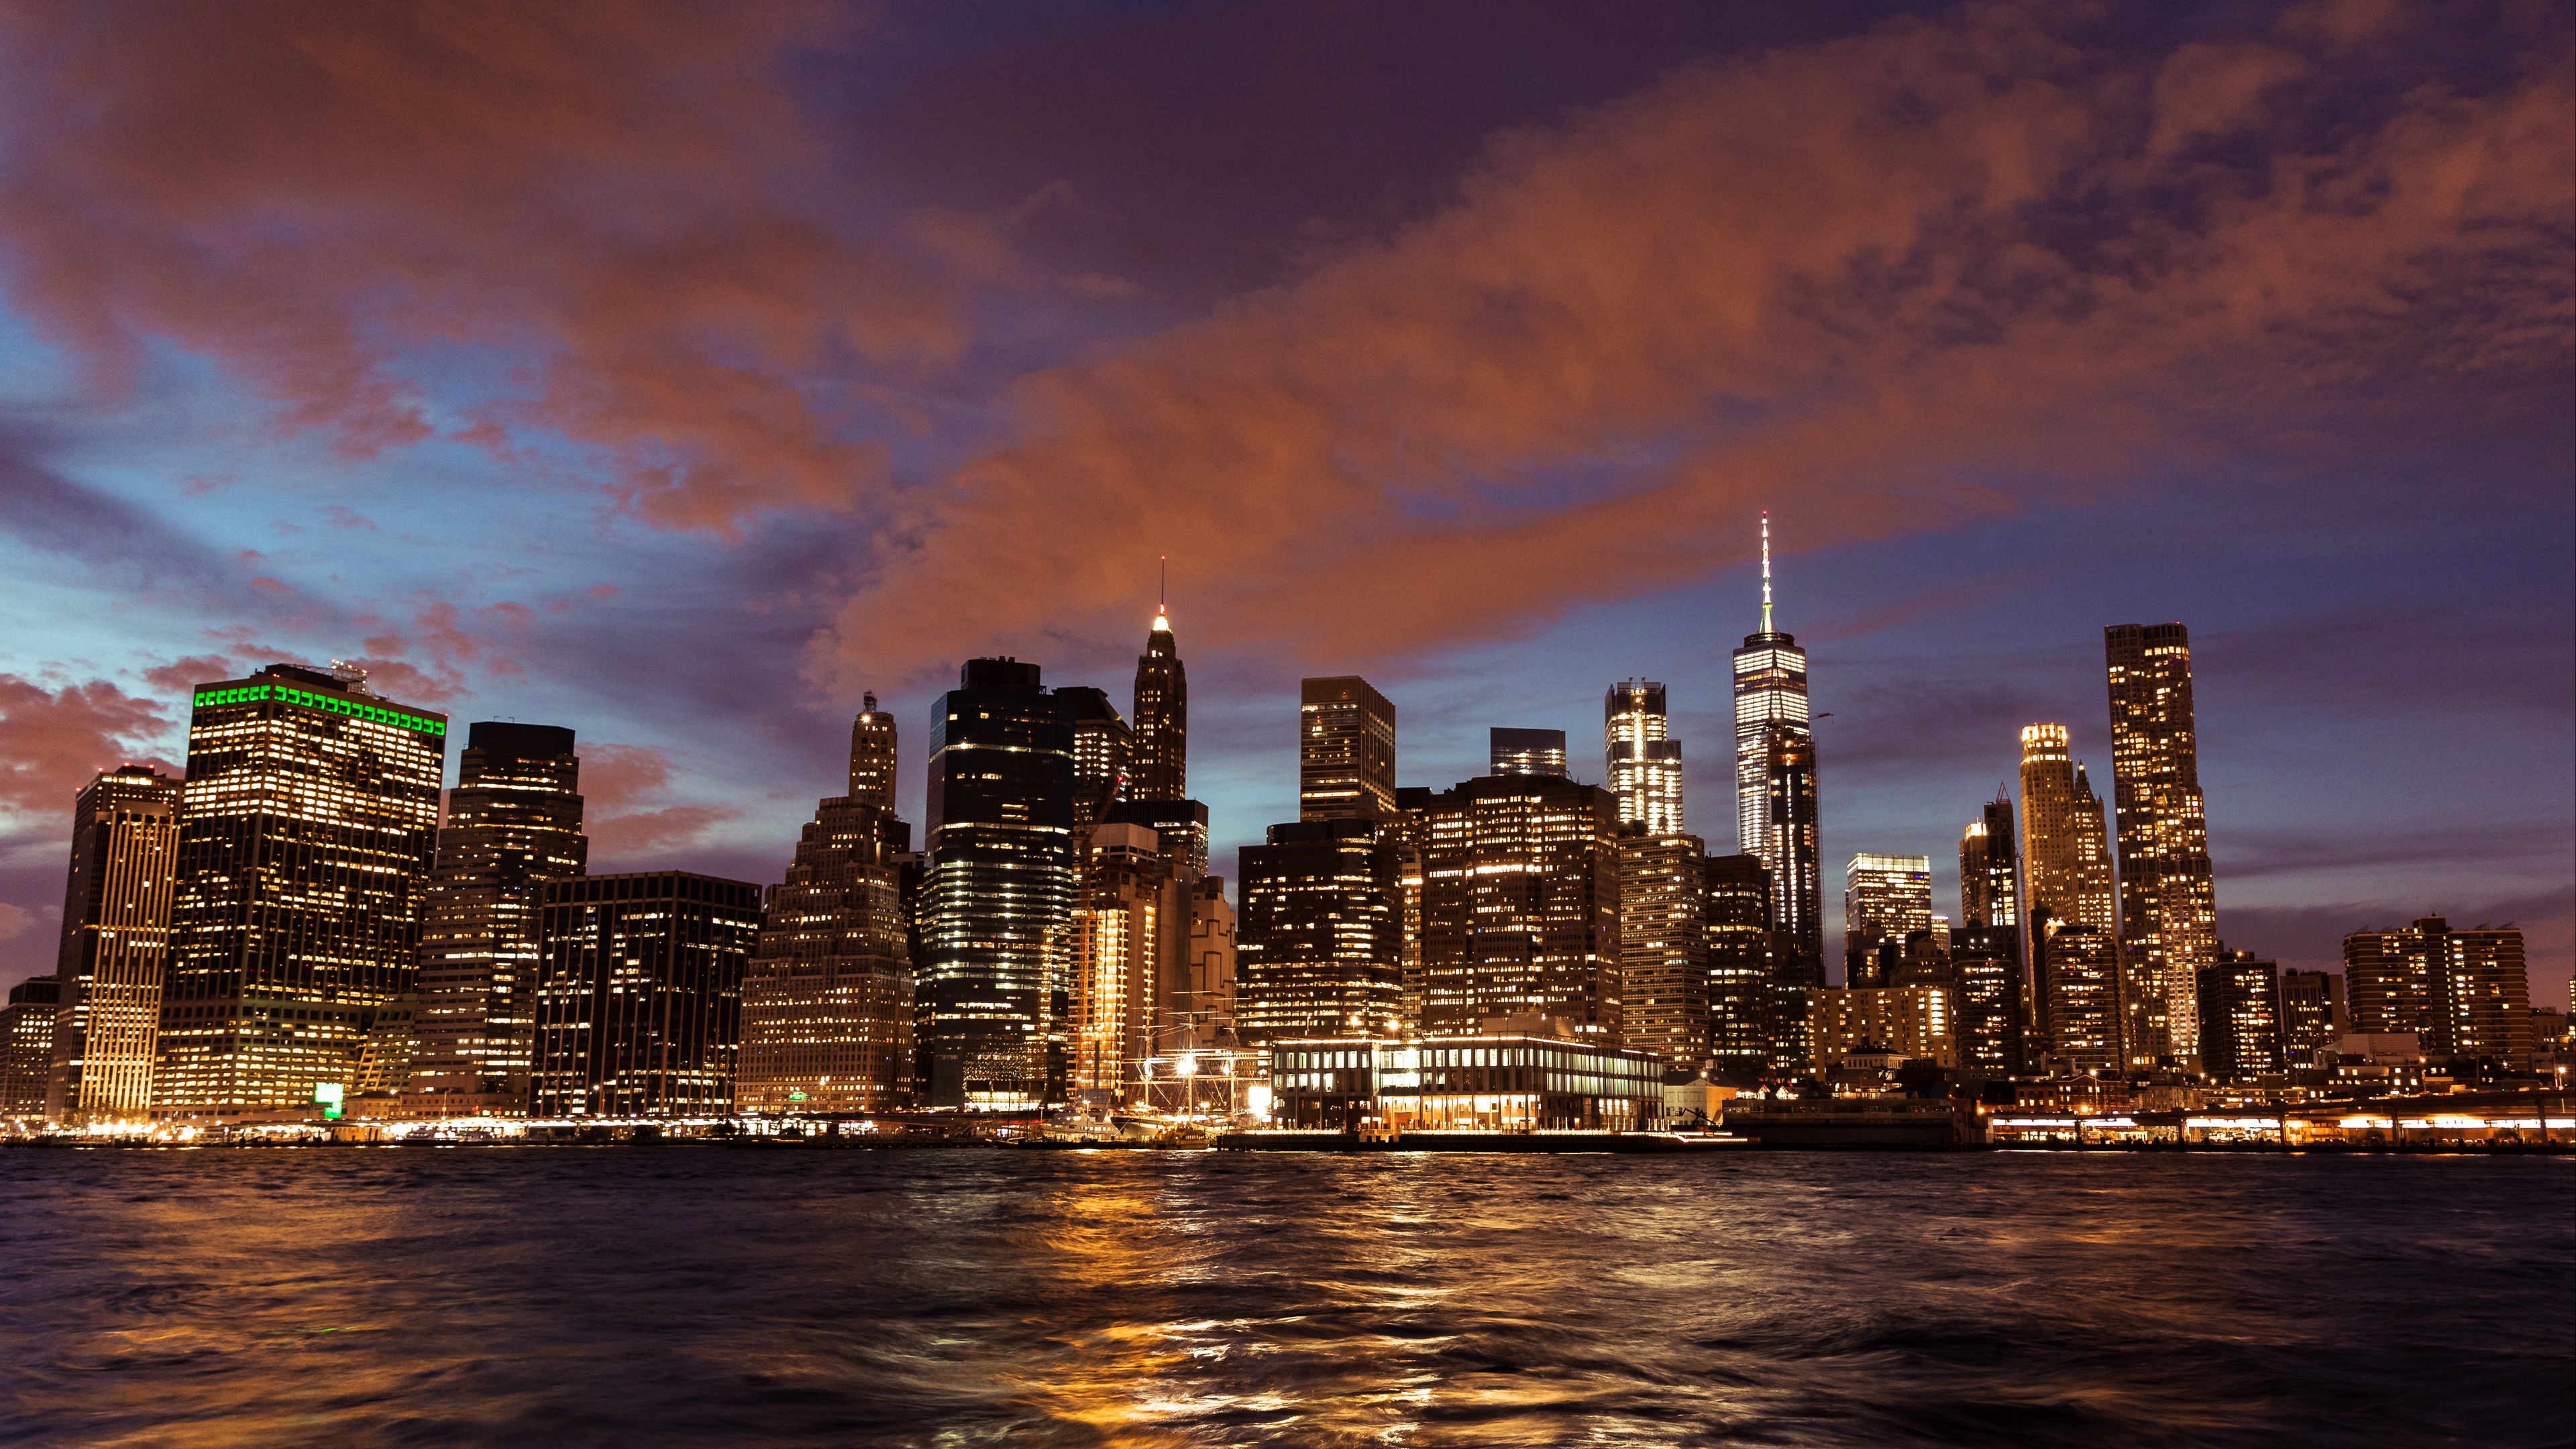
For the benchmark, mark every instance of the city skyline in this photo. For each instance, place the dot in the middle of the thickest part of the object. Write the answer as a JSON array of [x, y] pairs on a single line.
[[183, 486]]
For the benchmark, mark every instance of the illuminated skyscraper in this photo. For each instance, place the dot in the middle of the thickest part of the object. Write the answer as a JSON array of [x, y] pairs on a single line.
[[1663, 946], [306, 840], [1990, 868], [997, 910], [1161, 756], [1180, 829], [1645, 764], [1885, 898], [2168, 906], [1318, 942], [1525, 752], [1985, 962], [27, 1048], [1101, 746], [1520, 904], [1119, 955], [1755, 1022], [2079, 997], [513, 823], [1775, 782], [2239, 999], [1345, 750], [827, 1000], [1410, 832], [115, 947], [2066, 882], [873, 760], [639, 994]]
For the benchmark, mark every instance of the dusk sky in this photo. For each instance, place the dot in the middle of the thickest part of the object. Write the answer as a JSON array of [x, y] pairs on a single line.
[[677, 372]]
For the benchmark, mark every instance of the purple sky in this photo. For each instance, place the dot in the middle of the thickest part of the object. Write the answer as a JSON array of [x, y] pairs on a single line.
[[674, 373]]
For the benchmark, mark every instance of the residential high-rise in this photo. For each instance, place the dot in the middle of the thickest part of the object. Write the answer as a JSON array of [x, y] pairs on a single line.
[[2066, 883], [115, 947], [992, 989], [1119, 953], [1645, 762], [827, 1000], [1908, 1021], [1318, 940], [1664, 973], [873, 759], [1345, 750], [1885, 898], [306, 839], [1985, 964], [1101, 744], [1160, 767], [1775, 783], [1525, 752], [1520, 904], [2313, 1015], [1755, 1022], [2239, 1001], [514, 822], [2464, 993], [1990, 868], [2168, 906], [639, 994], [27, 1048]]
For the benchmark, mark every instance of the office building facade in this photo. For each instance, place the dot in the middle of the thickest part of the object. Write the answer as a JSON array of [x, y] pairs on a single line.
[[1664, 975], [1318, 938], [639, 994], [27, 1049], [306, 842], [514, 822], [1525, 752], [1885, 899], [1160, 767], [1520, 905], [115, 947], [1644, 760], [1756, 1020], [1345, 750], [2238, 997], [1908, 1021], [1991, 1004], [2066, 883], [2078, 980], [1990, 868], [1101, 742], [2168, 903], [2313, 1016], [1120, 960], [1775, 782], [997, 907]]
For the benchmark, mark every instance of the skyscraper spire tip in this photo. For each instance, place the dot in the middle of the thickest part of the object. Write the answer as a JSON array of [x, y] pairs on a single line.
[[1766, 570]]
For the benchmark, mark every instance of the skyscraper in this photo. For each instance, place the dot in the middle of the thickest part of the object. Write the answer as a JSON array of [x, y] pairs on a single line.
[[1119, 953], [1885, 898], [827, 1000], [1161, 768], [1345, 750], [639, 994], [513, 823], [1180, 827], [1645, 763], [1101, 746], [2239, 1000], [1318, 943], [27, 1048], [2464, 993], [1525, 752], [306, 839], [2168, 906], [1520, 904], [997, 909], [1754, 1021], [1775, 783], [2066, 884], [1990, 868], [1985, 962], [1664, 973], [2313, 1015], [115, 947]]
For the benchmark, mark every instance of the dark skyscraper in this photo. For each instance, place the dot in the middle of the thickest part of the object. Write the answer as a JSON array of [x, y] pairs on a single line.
[[1746, 999], [827, 999], [513, 823], [1102, 745], [639, 994], [2168, 906], [2313, 1015], [1990, 868], [2239, 999], [27, 1048], [1318, 940], [1345, 750], [997, 909], [1992, 1000], [1161, 757], [305, 847], [1520, 904], [115, 946], [1775, 783], [1525, 752]]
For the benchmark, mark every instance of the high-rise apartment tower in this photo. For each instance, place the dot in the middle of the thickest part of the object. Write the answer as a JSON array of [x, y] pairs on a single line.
[[1885, 899], [2168, 906]]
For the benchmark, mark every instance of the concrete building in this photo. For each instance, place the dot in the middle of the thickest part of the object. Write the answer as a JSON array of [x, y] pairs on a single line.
[[115, 947]]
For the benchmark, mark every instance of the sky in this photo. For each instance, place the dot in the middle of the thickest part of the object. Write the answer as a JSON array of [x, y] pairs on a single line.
[[678, 373]]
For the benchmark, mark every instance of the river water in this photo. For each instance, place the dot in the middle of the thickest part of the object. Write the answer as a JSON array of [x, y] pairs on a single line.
[[682, 1295]]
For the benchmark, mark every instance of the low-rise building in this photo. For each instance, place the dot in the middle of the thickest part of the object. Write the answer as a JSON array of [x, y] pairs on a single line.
[[1505, 1082]]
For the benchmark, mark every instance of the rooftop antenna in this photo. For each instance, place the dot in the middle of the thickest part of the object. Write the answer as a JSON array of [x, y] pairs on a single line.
[[1766, 570], [1162, 593]]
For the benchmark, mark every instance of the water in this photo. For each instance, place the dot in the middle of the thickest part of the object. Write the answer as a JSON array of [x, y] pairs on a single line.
[[677, 1295]]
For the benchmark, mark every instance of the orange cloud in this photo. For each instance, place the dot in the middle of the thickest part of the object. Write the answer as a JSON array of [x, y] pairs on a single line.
[[53, 741], [1873, 285], [303, 189], [617, 783]]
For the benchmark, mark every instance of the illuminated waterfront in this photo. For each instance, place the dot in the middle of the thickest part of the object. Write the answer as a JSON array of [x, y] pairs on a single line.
[[802, 1296]]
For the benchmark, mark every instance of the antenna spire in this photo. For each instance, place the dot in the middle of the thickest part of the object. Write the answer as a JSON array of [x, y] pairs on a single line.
[[1766, 570], [1162, 595]]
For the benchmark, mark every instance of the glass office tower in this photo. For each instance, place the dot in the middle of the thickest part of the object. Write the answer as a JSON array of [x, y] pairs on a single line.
[[115, 947], [1645, 763]]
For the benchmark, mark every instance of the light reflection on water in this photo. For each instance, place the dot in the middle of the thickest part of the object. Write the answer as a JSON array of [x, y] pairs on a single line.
[[674, 1295]]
